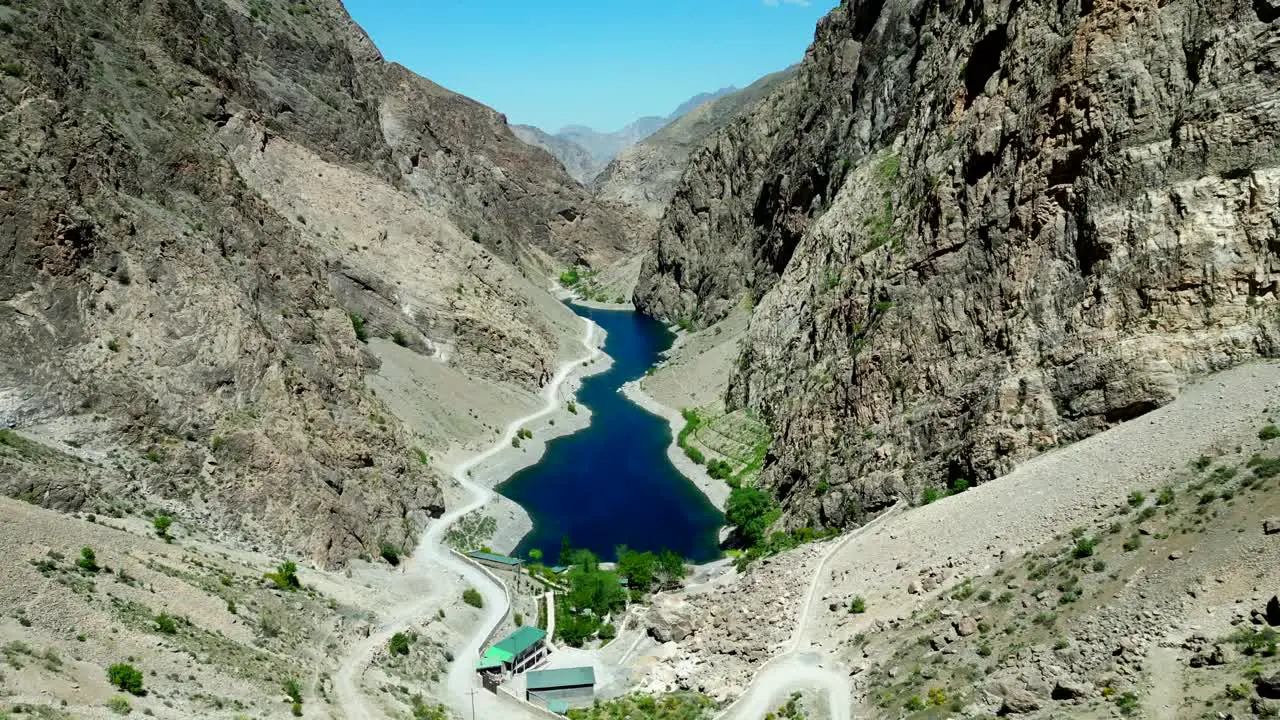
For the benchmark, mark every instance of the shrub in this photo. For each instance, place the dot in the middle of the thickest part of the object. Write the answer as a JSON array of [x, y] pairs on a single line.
[[1136, 498], [573, 407], [125, 677], [937, 697], [1133, 543], [472, 597], [694, 454], [569, 277], [162, 523], [929, 495], [1270, 432], [722, 470], [88, 560], [293, 690], [858, 605], [1084, 548], [984, 650], [357, 324], [166, 624], [399, 644], [985, 595], [119, 705], [285, 577], [390, 553], [398, 337], [914, 704], [518, 618], [113, 345], [296, 709], [11, 68], [1127, 703], [1166, 497], [750, 511], [607, 631]]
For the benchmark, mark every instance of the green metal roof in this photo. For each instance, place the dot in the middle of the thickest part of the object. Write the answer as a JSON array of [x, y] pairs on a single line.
[[487, 663], [558, 707], [491, 557], [564, 677], [517, 642]]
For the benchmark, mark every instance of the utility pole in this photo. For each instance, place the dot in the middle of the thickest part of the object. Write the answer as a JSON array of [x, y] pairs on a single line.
[[472, 692]]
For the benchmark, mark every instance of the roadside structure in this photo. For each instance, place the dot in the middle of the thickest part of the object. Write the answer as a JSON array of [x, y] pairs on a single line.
[[517, 652], [498, 562], [558, 690]]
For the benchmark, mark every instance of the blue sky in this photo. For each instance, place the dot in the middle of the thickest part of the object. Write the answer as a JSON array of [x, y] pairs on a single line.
[[600, 63]]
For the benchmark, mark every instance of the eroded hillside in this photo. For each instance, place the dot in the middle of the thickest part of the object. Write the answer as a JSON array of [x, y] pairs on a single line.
[[205, 208], [974, 231]]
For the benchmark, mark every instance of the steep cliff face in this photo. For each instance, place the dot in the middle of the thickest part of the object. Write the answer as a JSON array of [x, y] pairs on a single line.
[[975, 230], [194, 196], [575, 158]]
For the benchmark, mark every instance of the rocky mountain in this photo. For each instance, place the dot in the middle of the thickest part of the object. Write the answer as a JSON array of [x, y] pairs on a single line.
[[584, 152], [972, 231], [579, 163], [645, 175], [206, 207]]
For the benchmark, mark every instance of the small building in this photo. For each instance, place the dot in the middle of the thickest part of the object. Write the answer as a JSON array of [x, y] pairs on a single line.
[[558, 690], [498, 562], [513, 654]]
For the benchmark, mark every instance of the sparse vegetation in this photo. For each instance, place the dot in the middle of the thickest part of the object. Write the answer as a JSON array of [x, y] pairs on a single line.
[[399, 644], [117, 704], [358, 325], [390, 553], [858, 605], [675, 706], [88, 561], [166, 624], [162, 523], [1269, 432], [472, 597]]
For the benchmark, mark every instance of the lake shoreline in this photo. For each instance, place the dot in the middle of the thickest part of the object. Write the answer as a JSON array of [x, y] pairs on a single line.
[[716, 491]]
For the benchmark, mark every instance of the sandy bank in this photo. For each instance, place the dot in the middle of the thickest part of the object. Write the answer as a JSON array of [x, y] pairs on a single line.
[[717, 491]]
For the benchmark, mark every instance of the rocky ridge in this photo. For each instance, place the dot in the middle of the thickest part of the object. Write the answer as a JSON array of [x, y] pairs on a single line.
[[973, 231]]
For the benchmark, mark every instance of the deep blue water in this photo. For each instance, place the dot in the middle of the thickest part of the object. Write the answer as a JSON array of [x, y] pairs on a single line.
[[611, 484]]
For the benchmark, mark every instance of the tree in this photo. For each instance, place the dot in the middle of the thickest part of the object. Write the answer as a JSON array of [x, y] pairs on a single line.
[[285, 577], [566, 551], [126, 677], [390, 553], [671, 567], [88, 560], [535, 555], [751, 511], [639, 568]]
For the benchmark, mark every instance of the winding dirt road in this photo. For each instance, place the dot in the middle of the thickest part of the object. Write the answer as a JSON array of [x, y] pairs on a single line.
[[433, 557]]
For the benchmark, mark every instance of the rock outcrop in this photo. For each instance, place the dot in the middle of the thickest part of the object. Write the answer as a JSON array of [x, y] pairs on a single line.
[[971, 231], [195, 199]]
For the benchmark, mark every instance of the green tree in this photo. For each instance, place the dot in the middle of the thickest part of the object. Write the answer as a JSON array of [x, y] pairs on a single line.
[[639, 568], [126, 677], [88, 560], [285, 577], [750, 511], [671, 567], [535, 555]]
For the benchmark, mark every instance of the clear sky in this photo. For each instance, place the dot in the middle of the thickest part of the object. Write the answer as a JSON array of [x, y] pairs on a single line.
[[601, 63]]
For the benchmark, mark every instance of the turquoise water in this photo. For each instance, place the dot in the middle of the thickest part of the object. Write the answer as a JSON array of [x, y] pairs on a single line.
[[612, 484]]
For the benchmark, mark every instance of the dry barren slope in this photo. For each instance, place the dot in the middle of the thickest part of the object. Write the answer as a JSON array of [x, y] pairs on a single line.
[[195, 197]]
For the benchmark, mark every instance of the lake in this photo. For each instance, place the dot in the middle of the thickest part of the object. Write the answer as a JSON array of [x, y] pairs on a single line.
[[611, 484]]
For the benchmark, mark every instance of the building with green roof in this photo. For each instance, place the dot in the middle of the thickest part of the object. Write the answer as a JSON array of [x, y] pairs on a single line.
[[501, 562], [516, 652], [561, 688]]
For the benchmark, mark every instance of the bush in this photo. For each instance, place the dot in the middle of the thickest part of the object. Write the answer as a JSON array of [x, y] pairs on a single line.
[[390, 553], [929, 495], [694, 454], [1166, 497], [296, 709], [119, 705], [88, 560], [914, 704], [519, 619], [573, 407], [720, 469], [285, 577], [1270, 432], [398, 337], [166, 624], [125, 677], [293, 690], [569, 277], [858, 605], [1127, 703], [399, 644], [472, 597], [937, 697], [1085, 547], [357, 324], [162, 523], [607, 632], [1136, 498], [1133, 543]]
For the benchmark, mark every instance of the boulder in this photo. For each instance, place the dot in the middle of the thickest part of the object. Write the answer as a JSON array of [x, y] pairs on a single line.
[[1268, 686], [1067, 689], [1271, 526], [1019, 701], [1272, 614], [966, 626], [670, 620]]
